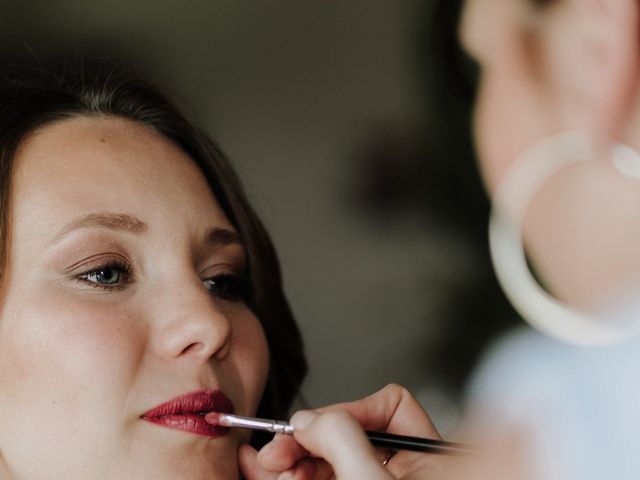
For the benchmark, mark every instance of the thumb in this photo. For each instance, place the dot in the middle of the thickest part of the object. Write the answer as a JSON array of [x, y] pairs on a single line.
[[249, 466], [339, 439]]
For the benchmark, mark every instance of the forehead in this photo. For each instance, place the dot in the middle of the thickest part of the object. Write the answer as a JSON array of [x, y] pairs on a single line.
[[85, 146], [89, 164]]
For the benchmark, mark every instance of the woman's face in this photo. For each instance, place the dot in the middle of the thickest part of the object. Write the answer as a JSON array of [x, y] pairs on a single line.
[[121, 294]]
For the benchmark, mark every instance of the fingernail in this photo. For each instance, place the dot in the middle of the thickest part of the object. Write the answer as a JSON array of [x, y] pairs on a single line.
[[288, 475], [302, 419]]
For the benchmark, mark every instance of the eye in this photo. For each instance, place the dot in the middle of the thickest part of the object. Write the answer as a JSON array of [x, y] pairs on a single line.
[[227, 286], [111, 275]]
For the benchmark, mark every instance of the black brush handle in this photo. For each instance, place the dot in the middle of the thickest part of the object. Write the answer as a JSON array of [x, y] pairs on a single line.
[[417, 444]]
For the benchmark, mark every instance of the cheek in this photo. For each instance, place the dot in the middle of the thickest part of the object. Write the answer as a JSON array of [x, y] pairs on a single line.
[[61, 361], [57, 333], [251, 360]]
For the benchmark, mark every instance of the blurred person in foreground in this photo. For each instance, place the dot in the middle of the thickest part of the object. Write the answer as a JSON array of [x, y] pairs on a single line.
[[539, 408]]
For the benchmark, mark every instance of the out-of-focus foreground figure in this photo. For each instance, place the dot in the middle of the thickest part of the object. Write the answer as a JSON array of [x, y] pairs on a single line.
[[552, 70]]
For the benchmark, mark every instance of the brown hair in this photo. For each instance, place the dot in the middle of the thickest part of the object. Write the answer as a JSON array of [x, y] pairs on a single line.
[[31, 98]]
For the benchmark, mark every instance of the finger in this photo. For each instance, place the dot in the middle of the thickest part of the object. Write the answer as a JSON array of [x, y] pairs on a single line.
[[249, 466], [393, 409], [308, 469], [281, 453], [338, 438], [284, 455]]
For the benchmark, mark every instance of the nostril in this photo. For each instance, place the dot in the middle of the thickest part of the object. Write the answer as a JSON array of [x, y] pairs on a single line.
[[222, 352], [196, 347]]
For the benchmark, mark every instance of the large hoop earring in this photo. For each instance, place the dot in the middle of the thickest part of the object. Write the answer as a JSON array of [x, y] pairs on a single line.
[[510, 203]]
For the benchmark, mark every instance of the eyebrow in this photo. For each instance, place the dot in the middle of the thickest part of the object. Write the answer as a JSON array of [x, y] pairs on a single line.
[[222, 236], [126, 223], [113, 221]]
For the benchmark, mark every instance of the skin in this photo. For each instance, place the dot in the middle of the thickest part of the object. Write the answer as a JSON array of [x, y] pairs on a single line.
[[330, 442], [571, 66], [79, 364]]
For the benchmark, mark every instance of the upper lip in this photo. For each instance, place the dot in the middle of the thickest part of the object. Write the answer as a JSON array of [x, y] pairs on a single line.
[[197, 402]]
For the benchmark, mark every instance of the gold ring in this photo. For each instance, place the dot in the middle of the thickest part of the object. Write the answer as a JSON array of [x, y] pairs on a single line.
[[389, 456]]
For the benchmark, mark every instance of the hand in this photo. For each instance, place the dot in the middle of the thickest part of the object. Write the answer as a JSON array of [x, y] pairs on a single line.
[[330, 442]]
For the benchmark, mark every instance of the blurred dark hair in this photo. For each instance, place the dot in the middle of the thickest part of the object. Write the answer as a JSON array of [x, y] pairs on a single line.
[[33, 97]]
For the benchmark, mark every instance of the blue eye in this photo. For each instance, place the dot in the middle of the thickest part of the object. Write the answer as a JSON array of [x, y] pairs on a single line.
[[110, 275], [226, 286]]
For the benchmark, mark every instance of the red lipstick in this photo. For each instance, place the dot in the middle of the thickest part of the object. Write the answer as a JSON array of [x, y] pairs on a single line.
[[187, 412]]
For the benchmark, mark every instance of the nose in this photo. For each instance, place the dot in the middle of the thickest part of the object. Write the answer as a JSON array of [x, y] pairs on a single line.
[[191, 324]]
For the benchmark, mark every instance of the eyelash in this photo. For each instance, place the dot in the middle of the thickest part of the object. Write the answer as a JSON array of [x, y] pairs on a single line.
[[121, 267], [229, 285]]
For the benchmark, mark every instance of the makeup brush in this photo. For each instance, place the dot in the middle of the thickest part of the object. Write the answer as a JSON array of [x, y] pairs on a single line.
[[377, 439]]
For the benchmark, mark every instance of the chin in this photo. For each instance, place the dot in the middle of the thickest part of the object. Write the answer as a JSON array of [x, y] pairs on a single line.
[[196, 472], [171, 455], [191, 468]]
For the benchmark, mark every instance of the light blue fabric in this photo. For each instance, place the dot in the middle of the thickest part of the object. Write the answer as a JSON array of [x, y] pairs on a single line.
[[581, 405]]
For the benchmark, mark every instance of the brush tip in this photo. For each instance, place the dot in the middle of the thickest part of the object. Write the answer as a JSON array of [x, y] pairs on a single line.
[[215, 418]]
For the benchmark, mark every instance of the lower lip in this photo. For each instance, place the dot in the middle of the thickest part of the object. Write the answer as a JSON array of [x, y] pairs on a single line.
[[183, 413], [192, 423]]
